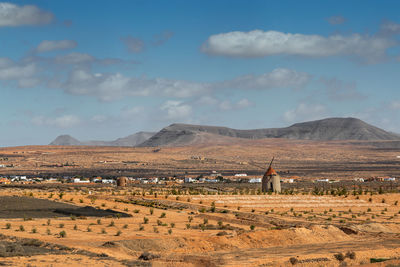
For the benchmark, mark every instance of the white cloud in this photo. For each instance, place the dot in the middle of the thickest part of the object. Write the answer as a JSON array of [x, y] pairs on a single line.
[[207, 100], [74, 58], [113, 86], [390, 28], [65, 121], [22, 73], [341, 91], [241, 104], [14, 15], [133, 44], [176, 110], [395, 105], [259, 43], [335, 20], [163, 37], [305, 112], [244, 103], [278, 78], [46, 45], [129, 112]]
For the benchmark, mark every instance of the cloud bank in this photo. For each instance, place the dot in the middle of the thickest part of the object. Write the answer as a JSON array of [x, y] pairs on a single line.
[[12, 15], [259, 43]]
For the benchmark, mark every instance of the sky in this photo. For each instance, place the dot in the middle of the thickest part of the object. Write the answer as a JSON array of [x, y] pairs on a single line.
[[100, 70]]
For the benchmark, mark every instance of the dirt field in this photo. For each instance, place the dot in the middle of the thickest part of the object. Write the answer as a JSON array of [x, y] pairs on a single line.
[[202, 230], [310, 159]]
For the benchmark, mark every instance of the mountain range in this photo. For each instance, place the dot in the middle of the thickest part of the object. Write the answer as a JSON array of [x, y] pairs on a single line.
[[131, 140], [187, 134]]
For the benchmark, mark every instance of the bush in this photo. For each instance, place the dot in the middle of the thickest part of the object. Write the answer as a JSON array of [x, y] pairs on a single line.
[[118, 233], [125, 226], [293, 260], [63, 234], [75, 227], [339, 256], [8, 225], [136, 211], [21, 228], [61, 225], [103, 231], [89, 229], [188, 226], [48, 232], [141, 227], [163, 215], [145, 220], [151, 211], [172, 225], [111, 224], [252, 227], [98, 221], [34, 230], [351, 255]]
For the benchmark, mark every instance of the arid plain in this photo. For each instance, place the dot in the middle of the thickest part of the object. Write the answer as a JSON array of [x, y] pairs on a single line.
[[336, 224]]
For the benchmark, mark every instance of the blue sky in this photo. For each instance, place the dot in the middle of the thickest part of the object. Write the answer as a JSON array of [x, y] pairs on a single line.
[[107, 69]]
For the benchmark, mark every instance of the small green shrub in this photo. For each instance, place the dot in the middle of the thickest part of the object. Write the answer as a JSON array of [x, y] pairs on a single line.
[[63, 234], [339, 256]]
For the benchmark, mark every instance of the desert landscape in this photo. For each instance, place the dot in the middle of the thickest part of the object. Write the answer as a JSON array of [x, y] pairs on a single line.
[[200, 133], [174, 227], [309, 223]]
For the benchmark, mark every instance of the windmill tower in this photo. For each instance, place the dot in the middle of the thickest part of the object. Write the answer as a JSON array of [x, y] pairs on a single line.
[[271, 180]]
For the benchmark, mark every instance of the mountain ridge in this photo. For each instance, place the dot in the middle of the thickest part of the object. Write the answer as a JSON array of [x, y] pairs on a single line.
[[179, 134], [324, 130], [130, 140]]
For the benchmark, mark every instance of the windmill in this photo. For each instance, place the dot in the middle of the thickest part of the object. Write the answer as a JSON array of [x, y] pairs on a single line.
[[271, 180]]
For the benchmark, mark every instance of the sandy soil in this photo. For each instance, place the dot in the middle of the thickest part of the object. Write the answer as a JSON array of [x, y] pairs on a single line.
[[311, 159], [213, 238]]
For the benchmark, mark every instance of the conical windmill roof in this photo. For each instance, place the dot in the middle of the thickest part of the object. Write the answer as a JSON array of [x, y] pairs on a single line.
[[270, 172]]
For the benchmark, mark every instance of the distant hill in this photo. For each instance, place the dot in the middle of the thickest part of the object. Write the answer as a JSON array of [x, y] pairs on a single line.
[[131, 140], [323, 130], [65, 140]]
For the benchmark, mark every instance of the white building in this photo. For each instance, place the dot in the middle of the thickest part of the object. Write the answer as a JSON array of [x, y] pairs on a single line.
[[255, 180]]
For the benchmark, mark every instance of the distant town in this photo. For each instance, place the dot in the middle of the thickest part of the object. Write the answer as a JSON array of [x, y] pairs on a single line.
[[213, 177]]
